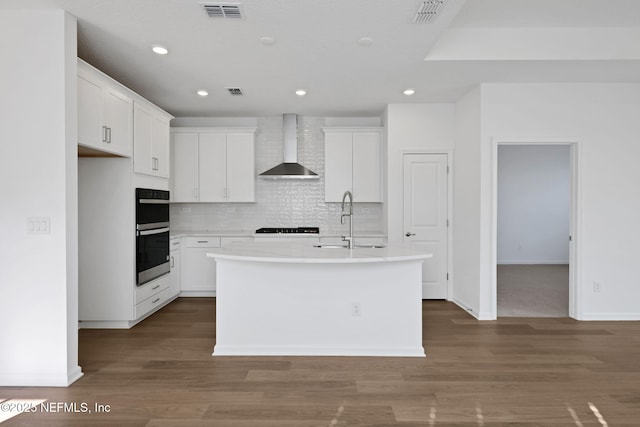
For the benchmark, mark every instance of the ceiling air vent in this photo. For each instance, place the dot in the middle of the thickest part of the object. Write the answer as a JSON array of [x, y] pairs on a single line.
[[223, 10], [428, 11], [235, 91]]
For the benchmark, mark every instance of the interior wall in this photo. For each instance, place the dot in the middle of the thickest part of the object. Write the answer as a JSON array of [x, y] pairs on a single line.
[[603, 119], [466, 203], [411, 128], [534, 201], [38, 168]]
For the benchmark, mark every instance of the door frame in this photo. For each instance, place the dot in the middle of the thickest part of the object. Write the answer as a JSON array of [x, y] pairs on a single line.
[[449, 154], [575, 302]]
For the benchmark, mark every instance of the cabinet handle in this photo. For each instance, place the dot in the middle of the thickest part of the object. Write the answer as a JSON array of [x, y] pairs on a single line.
[[203, 241], [155, 300], [408, 234], [108, 135], [172, 263], [155, 163], [104, 134], [155, 287]]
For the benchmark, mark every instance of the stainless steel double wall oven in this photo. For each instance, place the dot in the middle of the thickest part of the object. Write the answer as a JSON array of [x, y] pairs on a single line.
[[152, 234]]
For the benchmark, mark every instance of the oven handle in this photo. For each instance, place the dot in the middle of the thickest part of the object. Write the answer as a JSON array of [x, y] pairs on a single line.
[[153, 201], [154, 231], [152, 225]]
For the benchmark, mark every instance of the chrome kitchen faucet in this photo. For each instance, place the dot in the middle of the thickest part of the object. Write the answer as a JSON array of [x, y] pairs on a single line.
[[349, 238]]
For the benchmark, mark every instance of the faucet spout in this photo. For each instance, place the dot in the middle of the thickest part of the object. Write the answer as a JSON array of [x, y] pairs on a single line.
[[349, 213]]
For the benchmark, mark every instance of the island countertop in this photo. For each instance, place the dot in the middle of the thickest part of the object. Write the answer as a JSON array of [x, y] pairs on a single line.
[[288, 252]]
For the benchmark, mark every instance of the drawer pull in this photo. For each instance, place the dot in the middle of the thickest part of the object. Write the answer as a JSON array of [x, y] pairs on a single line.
[[155, 287], [155, 300], [203, 241]]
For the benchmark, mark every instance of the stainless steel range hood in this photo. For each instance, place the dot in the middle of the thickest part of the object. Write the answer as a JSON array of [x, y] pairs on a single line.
[[290, 168]]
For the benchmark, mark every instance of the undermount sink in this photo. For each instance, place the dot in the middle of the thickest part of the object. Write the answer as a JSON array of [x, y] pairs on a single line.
[[345, 247]]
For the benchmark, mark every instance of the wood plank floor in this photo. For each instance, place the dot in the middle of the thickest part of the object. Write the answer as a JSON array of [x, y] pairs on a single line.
[[513, 372]]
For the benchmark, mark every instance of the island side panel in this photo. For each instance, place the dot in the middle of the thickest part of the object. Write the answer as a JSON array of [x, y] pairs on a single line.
[[265, 308]]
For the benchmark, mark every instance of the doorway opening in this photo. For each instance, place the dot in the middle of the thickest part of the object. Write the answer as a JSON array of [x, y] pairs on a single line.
[[535, 190]]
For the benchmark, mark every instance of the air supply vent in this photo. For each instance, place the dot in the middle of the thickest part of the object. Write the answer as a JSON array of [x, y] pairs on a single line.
[[428, 11], [223, 10], [235, 91]]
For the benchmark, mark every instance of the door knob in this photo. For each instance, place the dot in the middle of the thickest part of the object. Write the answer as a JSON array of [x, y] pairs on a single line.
[[409, 234]]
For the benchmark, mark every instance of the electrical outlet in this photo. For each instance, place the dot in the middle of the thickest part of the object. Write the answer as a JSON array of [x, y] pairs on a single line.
[[596, 286], [356, 310]]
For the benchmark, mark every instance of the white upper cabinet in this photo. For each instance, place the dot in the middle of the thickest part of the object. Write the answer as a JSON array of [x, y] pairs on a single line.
[[184, 167], [105, 113], [353, 161], [150, 140], [213, 165]]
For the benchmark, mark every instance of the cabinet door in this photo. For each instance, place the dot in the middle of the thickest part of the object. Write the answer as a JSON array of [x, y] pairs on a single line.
[[119, 121], [184, 160], [241, 174], [199, 271], [160, 146], [338, 160], [213, 167], [142, 139], [367, 173], [176, 271], [90, 112]]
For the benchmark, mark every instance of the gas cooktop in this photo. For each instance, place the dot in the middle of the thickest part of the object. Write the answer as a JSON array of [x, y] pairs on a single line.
[[288, 230]]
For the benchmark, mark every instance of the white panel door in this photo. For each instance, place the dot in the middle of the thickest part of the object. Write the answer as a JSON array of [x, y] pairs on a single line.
[[213, 167], [367, 170], [184, 161], [425, 217], [241, 173], [119, 121], [338, 161]]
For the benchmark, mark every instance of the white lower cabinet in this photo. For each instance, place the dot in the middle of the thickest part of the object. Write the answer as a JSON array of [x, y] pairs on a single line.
[[198, 270], [198, 278], [152, 295], [175, 262]]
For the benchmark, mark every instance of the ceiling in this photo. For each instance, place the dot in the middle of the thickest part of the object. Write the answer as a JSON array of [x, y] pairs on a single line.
[[353, 57]]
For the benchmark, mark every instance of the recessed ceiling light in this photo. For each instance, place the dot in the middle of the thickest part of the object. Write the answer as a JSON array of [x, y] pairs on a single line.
[[160, 50], [202, 92], [267, 41], [409, 92], [365, 41], [301, 92]]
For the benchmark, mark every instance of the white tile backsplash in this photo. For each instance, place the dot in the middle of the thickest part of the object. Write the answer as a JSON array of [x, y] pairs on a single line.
[[281, 203]]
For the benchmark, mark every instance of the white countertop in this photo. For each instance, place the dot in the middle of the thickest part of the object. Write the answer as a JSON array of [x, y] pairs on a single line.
[[252, 233], [281, 252]]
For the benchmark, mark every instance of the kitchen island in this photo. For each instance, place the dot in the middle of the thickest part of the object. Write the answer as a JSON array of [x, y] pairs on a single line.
[[300, 300]]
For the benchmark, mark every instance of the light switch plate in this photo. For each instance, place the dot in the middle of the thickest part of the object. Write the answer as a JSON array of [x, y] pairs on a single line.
[[39, 225]]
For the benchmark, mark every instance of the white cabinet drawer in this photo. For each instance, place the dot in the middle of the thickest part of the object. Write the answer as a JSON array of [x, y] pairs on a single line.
[[152, 303], [201, 242], [151, 288]]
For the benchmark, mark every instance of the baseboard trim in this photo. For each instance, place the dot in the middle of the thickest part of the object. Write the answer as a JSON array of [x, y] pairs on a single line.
[[40, 380], [610, 317], [293, 350], [533, 262]]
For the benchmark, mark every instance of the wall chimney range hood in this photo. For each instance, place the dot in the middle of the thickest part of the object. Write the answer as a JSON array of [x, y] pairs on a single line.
[[290, 168]]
